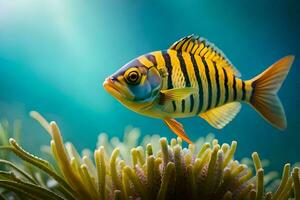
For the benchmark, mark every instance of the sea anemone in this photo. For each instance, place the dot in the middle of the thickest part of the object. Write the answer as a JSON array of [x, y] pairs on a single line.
[[163, 171]]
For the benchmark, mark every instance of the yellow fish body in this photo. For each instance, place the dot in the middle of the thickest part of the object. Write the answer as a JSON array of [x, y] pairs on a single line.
[[194, 78]]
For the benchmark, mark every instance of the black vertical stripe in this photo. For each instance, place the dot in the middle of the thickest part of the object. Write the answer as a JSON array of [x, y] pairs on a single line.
[[243, 91], [194, 43], [182, 105], [208, 84], [218, 84], [253, 86], [234, 88], [192, 103], [183, 69], [181, 42], [174, 105], [226, 86], [167, 59], [188, 44], [186, 40], [185, 75], [197, 73]]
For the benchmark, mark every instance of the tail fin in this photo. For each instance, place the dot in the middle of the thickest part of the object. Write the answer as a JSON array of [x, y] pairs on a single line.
[[265, 87]]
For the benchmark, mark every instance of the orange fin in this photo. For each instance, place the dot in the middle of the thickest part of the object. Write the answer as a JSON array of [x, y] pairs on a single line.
[[221, 116], [265, 87], [177, 128]]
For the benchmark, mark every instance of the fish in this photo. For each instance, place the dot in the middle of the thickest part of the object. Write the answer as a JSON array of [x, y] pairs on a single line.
[[193, 77]]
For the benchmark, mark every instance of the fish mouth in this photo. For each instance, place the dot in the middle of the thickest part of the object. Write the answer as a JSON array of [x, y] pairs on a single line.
[[121, 93], [117, 90], [111, 88]]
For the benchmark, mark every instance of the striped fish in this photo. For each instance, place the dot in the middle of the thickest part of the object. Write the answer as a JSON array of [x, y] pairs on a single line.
[[194, 78]]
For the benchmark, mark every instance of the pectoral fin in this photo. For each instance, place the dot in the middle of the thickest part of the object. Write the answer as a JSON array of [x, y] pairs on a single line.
[[176, 94], [177, 128], [220, 116]]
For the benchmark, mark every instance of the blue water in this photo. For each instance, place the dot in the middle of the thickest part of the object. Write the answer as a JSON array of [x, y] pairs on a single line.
[[55, 54]]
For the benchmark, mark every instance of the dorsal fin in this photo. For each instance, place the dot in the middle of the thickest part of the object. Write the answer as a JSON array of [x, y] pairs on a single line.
[[220, 116], [200, 46]]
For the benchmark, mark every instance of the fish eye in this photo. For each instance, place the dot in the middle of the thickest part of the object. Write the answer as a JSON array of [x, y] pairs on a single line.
[[133, 76]]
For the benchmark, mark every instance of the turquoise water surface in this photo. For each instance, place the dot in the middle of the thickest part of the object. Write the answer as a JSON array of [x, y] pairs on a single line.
[[55, 54]]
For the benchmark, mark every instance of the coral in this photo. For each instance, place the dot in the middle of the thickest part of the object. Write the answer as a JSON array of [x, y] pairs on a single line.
[[159, 171], [5, 130]]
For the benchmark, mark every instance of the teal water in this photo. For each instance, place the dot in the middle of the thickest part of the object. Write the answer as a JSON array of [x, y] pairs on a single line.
[[55, 54]]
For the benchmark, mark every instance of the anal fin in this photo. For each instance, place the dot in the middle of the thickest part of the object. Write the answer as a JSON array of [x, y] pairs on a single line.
[[221, 116], [177, 128]]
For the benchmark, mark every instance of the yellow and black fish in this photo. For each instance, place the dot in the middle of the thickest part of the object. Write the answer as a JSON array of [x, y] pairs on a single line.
[[194, 78]]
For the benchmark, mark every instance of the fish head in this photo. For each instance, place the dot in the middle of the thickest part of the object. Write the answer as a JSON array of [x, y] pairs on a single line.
[[135, 85]]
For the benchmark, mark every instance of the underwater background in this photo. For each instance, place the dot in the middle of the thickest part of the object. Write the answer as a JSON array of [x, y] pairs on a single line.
[[55, 54]]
